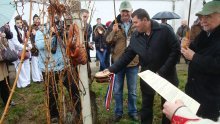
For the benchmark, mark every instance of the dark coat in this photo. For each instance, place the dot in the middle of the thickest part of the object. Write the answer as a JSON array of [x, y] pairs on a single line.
[[181, 32], [158, 52], [88, 32], [99, 41], [87, 35], [204, 70]]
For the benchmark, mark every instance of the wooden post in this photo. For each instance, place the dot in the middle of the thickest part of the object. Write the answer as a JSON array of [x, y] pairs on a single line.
[[83, 73]]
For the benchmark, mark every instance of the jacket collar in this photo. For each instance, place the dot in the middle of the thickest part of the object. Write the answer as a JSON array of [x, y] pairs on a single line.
[[216, 31]]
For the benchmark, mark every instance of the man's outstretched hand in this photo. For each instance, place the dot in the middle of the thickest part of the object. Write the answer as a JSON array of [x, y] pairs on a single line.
[[104, 73]]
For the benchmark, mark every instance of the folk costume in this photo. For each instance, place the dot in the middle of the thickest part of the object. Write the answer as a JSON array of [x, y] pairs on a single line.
[[18, 42]]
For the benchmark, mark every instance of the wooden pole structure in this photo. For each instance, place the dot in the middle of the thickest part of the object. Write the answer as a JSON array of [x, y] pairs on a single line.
[[190, 4], [188, 32], [115, 12], [19, 68], [82, 69]]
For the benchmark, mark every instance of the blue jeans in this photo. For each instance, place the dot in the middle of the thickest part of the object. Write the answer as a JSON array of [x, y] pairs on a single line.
[[101, 56], [131, 77]]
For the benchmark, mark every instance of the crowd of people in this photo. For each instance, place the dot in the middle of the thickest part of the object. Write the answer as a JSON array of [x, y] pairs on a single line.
[[133, 40], [159, 50]]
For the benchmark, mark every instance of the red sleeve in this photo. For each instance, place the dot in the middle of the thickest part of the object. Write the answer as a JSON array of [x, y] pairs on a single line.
[[181, 120]]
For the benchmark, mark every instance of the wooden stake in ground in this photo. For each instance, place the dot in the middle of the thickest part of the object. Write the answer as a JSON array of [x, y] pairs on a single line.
[[82, 69]]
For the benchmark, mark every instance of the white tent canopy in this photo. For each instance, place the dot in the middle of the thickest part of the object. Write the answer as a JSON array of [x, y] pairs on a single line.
[[104, 9]]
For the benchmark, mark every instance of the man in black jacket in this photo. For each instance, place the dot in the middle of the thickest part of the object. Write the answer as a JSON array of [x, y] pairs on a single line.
[[203, 82], [158, 50]]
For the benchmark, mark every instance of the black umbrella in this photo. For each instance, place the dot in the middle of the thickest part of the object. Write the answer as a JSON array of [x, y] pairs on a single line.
[[166, 15]]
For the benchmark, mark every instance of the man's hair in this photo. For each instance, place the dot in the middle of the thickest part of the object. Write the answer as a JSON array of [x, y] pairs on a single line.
[[18, 17], [84, 11], [98, 19], [35, 16], [141, 14]]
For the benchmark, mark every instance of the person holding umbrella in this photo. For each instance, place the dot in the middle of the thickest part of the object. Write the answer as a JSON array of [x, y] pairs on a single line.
[[164, 16], [118, 36], [164, 21], [203, 81]]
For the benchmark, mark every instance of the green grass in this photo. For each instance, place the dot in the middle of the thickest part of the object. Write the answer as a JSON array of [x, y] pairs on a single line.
[[29, 105], [30, 108]]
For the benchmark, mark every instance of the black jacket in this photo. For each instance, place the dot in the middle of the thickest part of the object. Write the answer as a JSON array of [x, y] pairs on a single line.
[[158, 52], [99, 41], [204, 70], [87, 35]]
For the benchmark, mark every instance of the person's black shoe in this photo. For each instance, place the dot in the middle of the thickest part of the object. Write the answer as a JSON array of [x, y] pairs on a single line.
[[134, 117], [117, 118], [29, 85], [38, 82]]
